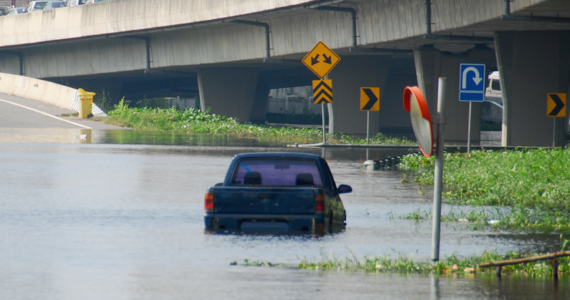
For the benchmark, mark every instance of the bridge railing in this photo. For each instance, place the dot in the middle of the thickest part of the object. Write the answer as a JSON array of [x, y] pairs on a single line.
[[552, 258]]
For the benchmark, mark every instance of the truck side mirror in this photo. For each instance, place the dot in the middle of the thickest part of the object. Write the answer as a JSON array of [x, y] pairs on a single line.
[[343, 189]]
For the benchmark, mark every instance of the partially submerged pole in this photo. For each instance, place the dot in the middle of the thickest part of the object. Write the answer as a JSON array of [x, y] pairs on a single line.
[[438, 172]]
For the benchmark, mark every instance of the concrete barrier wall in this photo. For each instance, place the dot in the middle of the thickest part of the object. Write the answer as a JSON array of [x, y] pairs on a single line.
[[391, 19], [36, 89], [378, 21], [120, 16]]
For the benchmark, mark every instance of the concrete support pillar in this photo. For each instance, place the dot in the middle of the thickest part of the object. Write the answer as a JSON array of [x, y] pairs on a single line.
[[260, 104], [394, 119], [432, 64], [10, 63], [228, 91], [352, 73], [531, 65]]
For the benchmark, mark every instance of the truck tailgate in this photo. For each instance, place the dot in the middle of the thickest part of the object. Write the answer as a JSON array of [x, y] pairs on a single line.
[[264, 200]]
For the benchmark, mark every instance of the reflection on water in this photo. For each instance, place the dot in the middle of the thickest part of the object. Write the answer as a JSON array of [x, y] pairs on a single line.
[[133, 137], [218, 142], [126, 222], [44, 135]]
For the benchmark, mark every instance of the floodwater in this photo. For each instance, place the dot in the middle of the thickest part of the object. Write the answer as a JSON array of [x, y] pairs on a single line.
[[117, 220]]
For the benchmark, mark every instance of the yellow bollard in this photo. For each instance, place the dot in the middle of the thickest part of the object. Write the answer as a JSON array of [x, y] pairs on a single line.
[[85, 103]]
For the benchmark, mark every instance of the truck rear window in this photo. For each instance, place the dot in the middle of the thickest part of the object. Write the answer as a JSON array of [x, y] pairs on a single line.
[[277, 172]]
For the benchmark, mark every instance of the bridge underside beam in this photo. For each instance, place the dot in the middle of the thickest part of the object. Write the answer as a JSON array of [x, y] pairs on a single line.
[[432, 64], [531, 65]]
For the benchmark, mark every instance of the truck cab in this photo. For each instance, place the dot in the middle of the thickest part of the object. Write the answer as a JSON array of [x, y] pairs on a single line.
[[493, 92]]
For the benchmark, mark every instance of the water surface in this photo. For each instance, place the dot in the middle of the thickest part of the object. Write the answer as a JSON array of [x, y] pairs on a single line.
[[125, 221]]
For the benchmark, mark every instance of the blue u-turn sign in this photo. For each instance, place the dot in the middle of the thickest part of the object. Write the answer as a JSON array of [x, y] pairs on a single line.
[[472, 82]]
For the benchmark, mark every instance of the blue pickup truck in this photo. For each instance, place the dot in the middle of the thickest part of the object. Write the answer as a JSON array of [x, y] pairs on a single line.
[[290, 192]]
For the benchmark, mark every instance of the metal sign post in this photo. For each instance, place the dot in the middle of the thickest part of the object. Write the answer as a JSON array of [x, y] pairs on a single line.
[[469, 130], [367, 132], [369, 101], [553, 132], [324, 130], [438, 173], [331, 113], [368, 128]]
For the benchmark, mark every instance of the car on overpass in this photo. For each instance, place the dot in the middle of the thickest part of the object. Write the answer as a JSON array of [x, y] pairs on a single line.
[[36, 5], [76, 2], [95, 1], [54, 4], [16, 11]]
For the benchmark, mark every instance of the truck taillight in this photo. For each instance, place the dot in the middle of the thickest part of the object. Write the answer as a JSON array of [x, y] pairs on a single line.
[[209, 202], [319, 203]]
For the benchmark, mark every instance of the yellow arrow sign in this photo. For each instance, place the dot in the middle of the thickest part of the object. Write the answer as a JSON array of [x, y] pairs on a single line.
[[322, 91], [321, 60], [370, 98], [556, 105]]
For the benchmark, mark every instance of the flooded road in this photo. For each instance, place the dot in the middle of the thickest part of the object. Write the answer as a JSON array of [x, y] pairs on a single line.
[[112, 221]]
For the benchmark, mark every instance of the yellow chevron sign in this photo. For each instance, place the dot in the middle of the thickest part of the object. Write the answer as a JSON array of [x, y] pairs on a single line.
[[322, 91], [556, 105], [370, 98]]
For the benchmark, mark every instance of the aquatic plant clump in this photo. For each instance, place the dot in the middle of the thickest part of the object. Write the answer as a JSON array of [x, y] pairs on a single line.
[[532, 177], [451, 264], [534, 182], [196, 121], [535, 219]]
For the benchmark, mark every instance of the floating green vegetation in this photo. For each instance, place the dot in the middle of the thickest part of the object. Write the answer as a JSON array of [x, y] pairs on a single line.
[[477, 218], [535, 183], [195, 121], [403, 263], [531, 177], [520, 218]]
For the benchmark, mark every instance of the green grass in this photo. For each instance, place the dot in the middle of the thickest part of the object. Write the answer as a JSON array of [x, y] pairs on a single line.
[[405, 264], [195, 121], [534, 183]]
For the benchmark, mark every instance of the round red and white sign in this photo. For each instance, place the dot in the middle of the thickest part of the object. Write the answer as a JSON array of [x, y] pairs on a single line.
[[415, 103]]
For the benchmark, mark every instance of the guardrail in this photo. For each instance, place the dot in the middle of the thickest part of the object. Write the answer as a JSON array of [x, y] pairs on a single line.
[[553, 259]]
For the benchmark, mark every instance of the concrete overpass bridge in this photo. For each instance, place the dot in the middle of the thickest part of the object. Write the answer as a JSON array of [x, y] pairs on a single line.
[[232, 52]]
